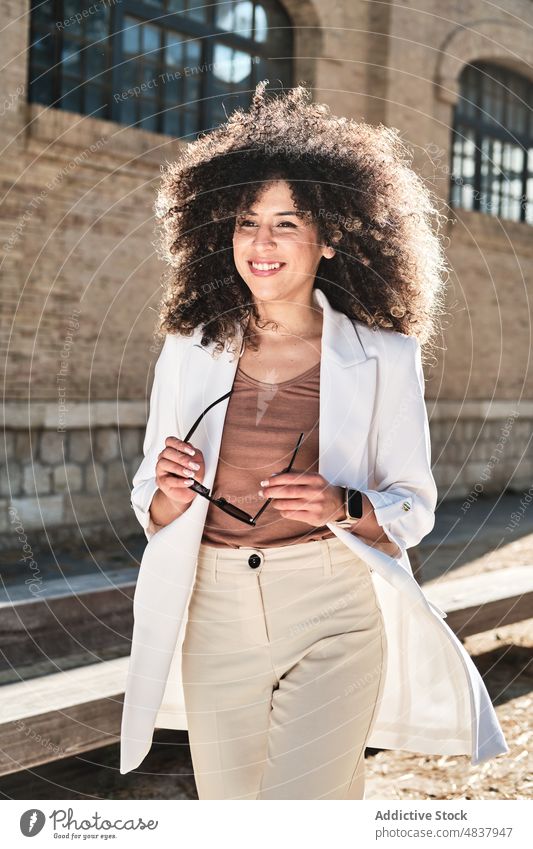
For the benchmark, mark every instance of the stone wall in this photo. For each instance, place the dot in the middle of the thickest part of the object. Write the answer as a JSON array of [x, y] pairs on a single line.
[[81, 281], [55, 484]]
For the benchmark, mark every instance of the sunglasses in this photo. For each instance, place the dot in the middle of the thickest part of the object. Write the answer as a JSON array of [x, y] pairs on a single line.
[[221, 502]]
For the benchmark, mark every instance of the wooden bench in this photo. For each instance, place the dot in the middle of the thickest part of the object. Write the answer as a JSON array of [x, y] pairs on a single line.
[[66, 713], [60, 715], [477, 603]]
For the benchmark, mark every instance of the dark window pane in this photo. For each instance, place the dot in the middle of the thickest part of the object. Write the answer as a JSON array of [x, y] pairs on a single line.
[[190, 123], [96, 62], [193, 52], [149, 78], [128, 111], [43, 47], [197, 10], [68, 84], [129, 74], [97, 24], [70, 57], [151, 40], [131, 36], [174, 49], [149, 121], [192, 88], [43, 12], [71, 101], [235, 17], [42, 88], [71, 8], [95, 100], [171, 122]]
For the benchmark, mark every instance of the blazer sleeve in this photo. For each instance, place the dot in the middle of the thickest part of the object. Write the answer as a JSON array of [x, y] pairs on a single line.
[[162, 422], [406, 495]]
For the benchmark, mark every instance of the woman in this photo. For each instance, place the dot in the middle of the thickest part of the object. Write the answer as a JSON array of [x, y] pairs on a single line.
[[281, 487]]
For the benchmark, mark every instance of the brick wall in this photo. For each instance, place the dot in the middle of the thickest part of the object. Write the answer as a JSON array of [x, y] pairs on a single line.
[[81, 280]]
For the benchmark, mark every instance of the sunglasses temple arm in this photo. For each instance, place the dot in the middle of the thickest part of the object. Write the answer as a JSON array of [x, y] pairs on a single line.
[[267, 502], [200, 417], [289, 467]]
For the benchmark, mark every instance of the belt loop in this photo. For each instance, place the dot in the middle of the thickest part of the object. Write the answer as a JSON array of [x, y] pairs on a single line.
[[326, 558], [214, 572]]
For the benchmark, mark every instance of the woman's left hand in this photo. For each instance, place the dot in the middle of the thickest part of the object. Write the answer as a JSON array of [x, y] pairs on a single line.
[[304, 496]]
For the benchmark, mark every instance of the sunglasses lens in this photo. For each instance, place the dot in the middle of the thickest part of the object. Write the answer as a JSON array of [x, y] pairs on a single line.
[[232, 510]]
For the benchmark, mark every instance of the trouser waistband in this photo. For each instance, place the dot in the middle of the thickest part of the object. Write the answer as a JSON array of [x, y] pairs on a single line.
[[308, 555]]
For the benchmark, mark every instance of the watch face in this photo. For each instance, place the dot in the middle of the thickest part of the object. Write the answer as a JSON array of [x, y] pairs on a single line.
[[355, 503]]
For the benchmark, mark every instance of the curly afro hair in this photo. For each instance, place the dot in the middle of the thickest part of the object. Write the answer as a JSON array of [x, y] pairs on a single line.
[[355, 182]]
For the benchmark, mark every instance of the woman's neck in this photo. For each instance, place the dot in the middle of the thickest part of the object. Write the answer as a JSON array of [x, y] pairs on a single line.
[[297, 323]]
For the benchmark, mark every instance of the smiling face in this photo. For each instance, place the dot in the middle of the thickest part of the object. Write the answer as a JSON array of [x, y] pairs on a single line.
[[276, 250]]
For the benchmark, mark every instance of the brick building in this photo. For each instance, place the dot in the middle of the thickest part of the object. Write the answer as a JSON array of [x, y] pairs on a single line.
[[97, 99]]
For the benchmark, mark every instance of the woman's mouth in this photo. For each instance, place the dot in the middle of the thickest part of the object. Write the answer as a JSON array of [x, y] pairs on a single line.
[[265, 269]]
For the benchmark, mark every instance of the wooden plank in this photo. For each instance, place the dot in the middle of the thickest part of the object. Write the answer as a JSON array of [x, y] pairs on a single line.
[[49, 633], [482, 602], [61, 715], [35, 740], [63, 690]]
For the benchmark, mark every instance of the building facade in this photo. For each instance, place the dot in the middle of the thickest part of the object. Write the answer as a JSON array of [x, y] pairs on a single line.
[[97, 97]]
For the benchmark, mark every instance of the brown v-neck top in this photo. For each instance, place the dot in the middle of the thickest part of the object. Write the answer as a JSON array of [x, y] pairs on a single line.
[[262, 425]]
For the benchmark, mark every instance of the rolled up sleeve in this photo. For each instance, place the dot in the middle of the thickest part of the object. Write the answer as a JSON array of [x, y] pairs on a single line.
[[405, 496], [162, 422]]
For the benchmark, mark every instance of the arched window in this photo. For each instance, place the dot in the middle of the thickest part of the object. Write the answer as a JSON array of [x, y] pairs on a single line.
[[170, 66], [492, 151]]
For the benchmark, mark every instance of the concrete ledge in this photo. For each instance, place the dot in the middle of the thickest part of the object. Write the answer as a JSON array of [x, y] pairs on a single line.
[[479, 410], [84, 414], [78, 414]]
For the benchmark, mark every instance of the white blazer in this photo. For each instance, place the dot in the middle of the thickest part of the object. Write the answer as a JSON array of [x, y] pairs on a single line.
[[374, 436]]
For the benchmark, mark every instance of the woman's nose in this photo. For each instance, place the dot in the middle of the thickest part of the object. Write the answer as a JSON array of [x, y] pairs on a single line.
[[263, 236]]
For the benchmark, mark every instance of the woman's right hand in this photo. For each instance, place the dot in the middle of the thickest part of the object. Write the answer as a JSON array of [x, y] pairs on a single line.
[[173, 470]]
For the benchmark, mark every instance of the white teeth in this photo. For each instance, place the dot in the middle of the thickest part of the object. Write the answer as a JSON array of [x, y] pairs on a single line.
[[265, 266]]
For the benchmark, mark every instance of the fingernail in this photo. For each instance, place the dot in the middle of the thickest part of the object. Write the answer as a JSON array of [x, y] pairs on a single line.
[[260, 492], [190, 451], [188, 482], [264, 483]]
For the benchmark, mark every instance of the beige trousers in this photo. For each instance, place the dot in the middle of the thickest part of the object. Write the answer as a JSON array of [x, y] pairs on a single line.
[[283, 666]]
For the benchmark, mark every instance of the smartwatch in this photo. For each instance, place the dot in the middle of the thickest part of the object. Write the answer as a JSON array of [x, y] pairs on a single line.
[[353, 507]]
